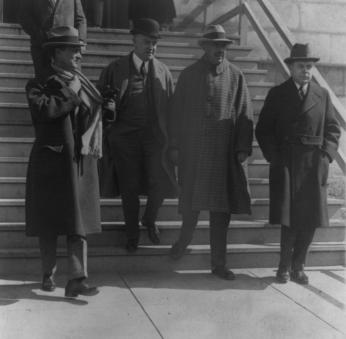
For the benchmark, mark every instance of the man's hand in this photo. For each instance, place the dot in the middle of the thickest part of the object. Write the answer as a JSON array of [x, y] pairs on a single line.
[[109, 105], [242, 156]]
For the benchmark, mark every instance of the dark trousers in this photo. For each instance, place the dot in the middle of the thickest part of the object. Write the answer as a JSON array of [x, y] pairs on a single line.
[[41, 62], [76, 251], [217, 232], [294, 245], [138, 164]]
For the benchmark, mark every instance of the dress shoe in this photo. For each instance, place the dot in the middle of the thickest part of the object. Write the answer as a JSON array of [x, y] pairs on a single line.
[[132, 245], [223, 273], [177, 251], [153, 232], [48, 283], [299, 277], [282, 276], [76, 287]]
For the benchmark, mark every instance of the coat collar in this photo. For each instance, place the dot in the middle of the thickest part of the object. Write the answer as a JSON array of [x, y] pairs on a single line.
[[215, 70]]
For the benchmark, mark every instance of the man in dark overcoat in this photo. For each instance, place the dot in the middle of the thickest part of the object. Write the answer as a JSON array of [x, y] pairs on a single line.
[[62, 190], [137, 140], [211, 132], [37, 17], [298, 134]]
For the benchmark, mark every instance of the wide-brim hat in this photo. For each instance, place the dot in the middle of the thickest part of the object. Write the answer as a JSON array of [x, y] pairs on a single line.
[[63, 36], [301, 52], [146, 26], [215, 33]]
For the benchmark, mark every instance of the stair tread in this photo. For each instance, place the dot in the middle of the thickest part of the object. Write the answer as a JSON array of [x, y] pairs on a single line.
[[151, 250], [174, 224], [167, 202]]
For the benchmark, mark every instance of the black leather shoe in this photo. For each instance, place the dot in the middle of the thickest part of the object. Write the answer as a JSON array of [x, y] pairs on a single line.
[[132, 245], [223, 273], [177, 251], [299, 277], [48, 283], [153, 232], [282, 276], [76, 287]]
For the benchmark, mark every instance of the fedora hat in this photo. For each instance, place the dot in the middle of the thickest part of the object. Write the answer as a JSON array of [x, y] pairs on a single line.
[[301, 52], [63, 36], [146, 26], [214, 33]]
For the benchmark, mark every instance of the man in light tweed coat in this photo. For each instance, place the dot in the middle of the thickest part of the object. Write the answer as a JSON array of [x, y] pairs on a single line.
[[211, 132]]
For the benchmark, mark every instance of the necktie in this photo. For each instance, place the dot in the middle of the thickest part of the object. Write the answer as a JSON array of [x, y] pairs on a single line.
[[143, 70], [301, 92]]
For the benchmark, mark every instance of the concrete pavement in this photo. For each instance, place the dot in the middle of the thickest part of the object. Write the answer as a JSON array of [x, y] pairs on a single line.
[[183, 304]]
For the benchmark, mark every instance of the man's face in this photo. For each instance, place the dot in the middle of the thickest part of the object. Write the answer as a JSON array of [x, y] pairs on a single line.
[[301, 71], [214, 51], [144, 46], [68, 58]]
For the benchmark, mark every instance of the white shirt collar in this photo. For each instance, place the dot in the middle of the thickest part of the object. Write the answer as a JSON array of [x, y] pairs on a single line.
[[305, 87], [138, 62]]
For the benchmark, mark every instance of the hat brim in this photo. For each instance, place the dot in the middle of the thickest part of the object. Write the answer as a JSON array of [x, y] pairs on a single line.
[[291, 60], [206, 40], [138, 31], [61, 43]]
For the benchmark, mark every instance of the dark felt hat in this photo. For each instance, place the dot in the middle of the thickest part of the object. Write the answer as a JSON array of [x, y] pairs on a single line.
[[146, 26], [301, 52], [63, 36]]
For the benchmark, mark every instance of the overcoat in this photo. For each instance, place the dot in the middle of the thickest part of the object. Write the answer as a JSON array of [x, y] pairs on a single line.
[[299, 139], [37, 17], [162, 11], [116, 76], [210, 122], [62, 195]]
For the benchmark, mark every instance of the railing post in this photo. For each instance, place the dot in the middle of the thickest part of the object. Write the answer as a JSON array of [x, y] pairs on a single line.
[[242, 24], [1, 10]]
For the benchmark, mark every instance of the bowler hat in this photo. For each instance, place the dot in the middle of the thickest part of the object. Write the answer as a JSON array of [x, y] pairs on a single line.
[[215, 33], [63, 36], [300, 52], [146, 26]]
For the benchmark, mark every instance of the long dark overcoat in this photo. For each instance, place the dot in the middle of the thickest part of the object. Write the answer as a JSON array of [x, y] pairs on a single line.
[[210, 122], [299, 139], [62, 196], [116, 75], [37, 17]]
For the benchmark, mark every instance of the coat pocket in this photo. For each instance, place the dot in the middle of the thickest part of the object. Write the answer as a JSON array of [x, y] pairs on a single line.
[[324, 169]]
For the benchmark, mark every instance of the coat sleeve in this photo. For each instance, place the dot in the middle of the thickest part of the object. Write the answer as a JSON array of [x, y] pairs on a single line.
[[27, 19], [265, 128], [331, 131], [80, 21], [244, 121], [175, 112], [51, 100]]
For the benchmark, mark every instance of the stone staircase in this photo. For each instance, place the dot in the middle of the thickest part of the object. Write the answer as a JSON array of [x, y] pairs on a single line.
[[252, 242]]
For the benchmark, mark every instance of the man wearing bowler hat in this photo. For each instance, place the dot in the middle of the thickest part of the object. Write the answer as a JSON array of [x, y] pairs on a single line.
[[211, 133], [137, 140], [62, 188], [298, 134]]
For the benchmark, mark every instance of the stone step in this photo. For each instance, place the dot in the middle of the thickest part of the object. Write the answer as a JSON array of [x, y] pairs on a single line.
[[105, 57], [14, 188], [12, 210], [17, 94], [125, 45], [155, 258], [114, 34], [21, 147], [12, 235], [16, 167]]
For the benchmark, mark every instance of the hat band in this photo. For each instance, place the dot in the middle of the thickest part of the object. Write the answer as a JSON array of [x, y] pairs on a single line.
[[215, 35], [64, 39]]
